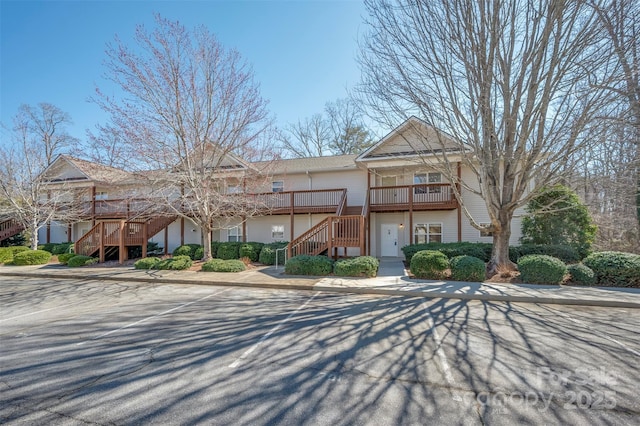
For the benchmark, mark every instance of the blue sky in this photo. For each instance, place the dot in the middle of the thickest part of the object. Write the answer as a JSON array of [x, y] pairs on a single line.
[[303, 52]]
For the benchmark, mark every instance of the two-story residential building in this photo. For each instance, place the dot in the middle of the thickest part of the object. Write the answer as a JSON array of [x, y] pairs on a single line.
[[374, 203]]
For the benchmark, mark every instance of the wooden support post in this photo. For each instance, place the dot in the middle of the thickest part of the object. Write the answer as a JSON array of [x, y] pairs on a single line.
[[182, 231], [362, 236], [244, 229], [291, 217], [69, 233], [93, 207], [458, 186], [166, 240], [121, 247], [330, 236], [411, 214], [145, 238], [101, 241]]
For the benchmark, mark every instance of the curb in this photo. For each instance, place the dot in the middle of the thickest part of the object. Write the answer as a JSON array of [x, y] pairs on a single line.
[[347, 290]]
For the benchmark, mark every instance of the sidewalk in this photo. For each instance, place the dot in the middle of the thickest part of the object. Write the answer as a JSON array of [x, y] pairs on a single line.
[[391, 281]]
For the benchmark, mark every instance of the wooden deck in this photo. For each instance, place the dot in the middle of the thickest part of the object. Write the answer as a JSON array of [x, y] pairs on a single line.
[[412, 197]]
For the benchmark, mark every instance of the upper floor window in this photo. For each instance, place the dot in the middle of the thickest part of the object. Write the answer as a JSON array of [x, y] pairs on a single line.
[[101, 195], [427, 178], [233, 189], [277, 186]]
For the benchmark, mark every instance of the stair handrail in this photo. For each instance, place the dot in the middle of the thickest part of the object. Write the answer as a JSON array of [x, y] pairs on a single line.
[[365, 206], [342, 203], [319, 227]]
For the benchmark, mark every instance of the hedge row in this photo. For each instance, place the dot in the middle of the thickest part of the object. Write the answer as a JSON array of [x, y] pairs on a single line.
[[31, 257], [255, 251], [363, 266], [615, 269], [483, 251], [220, 265], [57, 248], [7, 253]]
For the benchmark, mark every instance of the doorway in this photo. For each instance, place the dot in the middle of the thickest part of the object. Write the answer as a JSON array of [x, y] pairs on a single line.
[[389, 240]]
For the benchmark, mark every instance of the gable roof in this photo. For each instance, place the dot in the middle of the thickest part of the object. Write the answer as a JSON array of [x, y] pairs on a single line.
[[414, 137], [85, 171], [308, 164]]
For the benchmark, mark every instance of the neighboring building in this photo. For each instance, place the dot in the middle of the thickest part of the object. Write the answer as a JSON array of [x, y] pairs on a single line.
[[373, 203]]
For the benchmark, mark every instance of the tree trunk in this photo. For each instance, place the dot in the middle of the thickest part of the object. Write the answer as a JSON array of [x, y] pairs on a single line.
[[500, 253], [34, 236], [206, 240]]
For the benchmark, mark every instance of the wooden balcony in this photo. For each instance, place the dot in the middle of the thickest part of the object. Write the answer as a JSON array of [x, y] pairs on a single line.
[[435, 196]]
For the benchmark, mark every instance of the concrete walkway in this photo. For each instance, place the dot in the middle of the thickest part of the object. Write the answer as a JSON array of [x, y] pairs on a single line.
[[392, 280]]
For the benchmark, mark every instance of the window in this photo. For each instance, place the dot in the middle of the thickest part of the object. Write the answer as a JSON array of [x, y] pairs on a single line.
[[235, 234], [485, 233], [388, 181], [277, 186], [427, 233], [101, 195], [277, 232], [233, 189], [426, 178]]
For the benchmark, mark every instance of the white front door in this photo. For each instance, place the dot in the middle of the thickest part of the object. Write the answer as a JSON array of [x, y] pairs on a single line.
[[389, 240]]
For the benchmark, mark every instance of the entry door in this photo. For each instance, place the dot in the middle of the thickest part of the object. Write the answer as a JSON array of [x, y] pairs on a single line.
[[389, 240]]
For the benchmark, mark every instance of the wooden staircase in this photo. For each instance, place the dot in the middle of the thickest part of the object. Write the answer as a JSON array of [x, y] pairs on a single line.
[[9, 228], [329, 234], [120, 234]]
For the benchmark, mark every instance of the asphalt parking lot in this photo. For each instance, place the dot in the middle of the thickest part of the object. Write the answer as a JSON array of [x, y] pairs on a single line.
[[90, 352]]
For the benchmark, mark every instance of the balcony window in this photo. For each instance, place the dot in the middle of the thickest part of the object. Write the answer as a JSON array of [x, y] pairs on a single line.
[[427, 233], [277, 186], [233, 189], [427, 178], [101, 195]]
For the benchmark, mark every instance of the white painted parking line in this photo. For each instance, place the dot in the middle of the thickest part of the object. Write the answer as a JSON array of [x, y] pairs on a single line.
[[154, 316], [248, 352], [441, 355]]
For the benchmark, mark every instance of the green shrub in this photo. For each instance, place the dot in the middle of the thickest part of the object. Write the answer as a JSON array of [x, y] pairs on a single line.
[[65, 257], [62, 248], [565, 253], [251, 250], [541, 269], [467, 268], [268, 254], [188, 250], [219, 265], [581, 274], [214, 248], [363, 266], [7, 253], [175, 263], [47, 247], [80, 260], [429, 264], [31, 257], [479, 250], [308, 265], [198, 253], [229, 250], [612, 268], [147, 263]]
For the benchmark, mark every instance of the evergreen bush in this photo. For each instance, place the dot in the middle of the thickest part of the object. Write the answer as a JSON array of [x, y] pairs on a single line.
[[251, 250], [7, 253], [480, 250], [613, 268], [429, 264], [581, 274], [65, 257], [81, 260], [219, 265], [308, 265], [467, 268], [268, 254], [188, 250], [175, 263], [31, 257], [229, 250], [47, 247], [541, 269], [564, 252], [363, 266], [62, 248], [147, 263]]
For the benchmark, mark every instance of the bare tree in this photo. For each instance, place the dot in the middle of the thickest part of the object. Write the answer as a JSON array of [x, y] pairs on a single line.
[[620, 20], [190, 109], [308, 138], [39, 136], [511, 82]]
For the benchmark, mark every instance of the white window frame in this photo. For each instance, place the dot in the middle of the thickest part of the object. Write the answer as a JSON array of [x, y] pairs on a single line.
[[428, 235], [276, 230], [101, 195], [425, 178], [234, 234], [277, 186]]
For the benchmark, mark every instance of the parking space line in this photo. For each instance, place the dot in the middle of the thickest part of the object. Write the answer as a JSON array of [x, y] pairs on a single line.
[[248, 352], [154, 316], [441, 355]]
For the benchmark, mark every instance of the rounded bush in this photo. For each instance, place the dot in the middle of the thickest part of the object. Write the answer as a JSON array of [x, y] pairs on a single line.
[[229, 250], [251, 250], [47, 247], [219, 265], [7, 253], [581, 274], [480, 250], [467, 268], [363, 266], [198, 253], [31, 257], [175, 263], [612, 268], [65, 257], [541, 269], [308, 265], [565, 253], [187, 250], [80, 260], [147, 263], [429, 264], [62, 248], [268, 254]]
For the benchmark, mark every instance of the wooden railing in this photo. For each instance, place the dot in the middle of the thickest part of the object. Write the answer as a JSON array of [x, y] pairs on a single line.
[[412, 197], [9, 228], [90, 242], [332, 232]]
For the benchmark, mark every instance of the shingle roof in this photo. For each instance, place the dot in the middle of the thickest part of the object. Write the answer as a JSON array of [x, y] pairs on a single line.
[[308, 164], [99, 172]]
